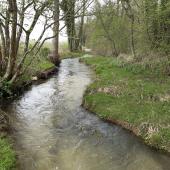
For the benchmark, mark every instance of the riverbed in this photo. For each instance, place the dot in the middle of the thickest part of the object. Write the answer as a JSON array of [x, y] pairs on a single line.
[[53, 132]]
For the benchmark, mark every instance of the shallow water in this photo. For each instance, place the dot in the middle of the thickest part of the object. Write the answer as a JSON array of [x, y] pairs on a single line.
[[53, 132]]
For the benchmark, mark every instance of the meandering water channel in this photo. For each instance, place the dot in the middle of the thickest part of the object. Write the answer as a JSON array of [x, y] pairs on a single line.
[[53, 132]]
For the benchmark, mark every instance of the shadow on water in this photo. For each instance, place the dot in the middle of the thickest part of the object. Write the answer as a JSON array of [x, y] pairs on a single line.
[[52, 131]]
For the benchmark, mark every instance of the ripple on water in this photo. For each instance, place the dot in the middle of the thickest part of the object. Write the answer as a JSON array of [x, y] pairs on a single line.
[[54, 132]]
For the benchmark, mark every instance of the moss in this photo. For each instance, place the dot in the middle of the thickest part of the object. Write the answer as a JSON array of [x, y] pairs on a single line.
[[125, 93], [7, 155]]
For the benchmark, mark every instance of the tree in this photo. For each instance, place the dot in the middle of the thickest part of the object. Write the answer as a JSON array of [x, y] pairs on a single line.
[[106, 30], [151, 9], [13, 25], [129, 26], [68, 7], [73, 10], [126, 4], [55, 56], [164, 23]]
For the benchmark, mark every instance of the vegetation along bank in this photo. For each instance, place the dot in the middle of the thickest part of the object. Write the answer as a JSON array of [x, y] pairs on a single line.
[[132, 95]]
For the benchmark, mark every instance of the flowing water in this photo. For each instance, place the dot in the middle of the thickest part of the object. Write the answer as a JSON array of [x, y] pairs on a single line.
[[53, 132]]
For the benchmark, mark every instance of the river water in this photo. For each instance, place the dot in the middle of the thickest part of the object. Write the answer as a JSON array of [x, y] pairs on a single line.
[[53, 132]]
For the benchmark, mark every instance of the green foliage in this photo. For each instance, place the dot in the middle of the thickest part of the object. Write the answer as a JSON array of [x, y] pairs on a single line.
[[43, 65], [7, 156], [131, 93], [65, 55], [65, 52], [63, 47], [34, 65], [5, 88], [44, 52], [113, 24], [38, 63]]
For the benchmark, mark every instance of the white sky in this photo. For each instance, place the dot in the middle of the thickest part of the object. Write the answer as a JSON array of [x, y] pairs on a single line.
[[38, 28]]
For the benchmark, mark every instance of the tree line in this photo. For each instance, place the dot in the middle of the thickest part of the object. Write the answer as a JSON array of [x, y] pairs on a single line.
[[129, 26], [18, 20], [109, 27]]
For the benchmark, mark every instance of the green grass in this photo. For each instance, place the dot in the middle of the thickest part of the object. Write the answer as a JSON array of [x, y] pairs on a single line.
[[36, 66], [7, 156], [134, 94], [67, 54], [43, 65]]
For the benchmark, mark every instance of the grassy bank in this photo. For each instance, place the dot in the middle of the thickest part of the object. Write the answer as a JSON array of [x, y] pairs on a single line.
[[67, 54], [11, 91], [35, 68], [133, 95], [7, 155]]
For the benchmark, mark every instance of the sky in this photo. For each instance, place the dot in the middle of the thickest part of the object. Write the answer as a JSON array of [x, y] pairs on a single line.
[[39, 27], [62, 36], [37, 30]]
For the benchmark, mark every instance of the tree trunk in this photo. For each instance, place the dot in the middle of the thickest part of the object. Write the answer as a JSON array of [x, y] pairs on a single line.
[[81, 31], [20, 30], [12, 54], [130, 14], [54, 57], [115, 52], [3, 47], [56, 28], [27, 39], [68, 6], [132, 38], [165, 25], [1, 61], [151, 7]]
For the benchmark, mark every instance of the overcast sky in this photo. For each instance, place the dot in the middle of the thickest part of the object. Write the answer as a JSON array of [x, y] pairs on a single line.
[[37, 31]]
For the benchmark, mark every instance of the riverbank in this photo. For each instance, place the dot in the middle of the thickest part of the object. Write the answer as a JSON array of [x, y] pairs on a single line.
[[42, 70], [7, 154], [133, 96], [39, 70], [67, 54]]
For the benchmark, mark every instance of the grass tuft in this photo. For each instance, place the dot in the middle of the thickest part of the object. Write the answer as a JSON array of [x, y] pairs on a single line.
[[7, 155]]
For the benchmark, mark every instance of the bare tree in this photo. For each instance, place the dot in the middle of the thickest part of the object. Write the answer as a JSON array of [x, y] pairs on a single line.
[[106, 30], [12, 27], [54, 57], [72, 12], [129, 12]]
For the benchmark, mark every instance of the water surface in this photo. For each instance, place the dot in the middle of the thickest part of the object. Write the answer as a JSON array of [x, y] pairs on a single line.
[[53, 132]]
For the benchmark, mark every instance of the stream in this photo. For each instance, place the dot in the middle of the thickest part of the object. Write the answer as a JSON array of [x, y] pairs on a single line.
[[53, 132]]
